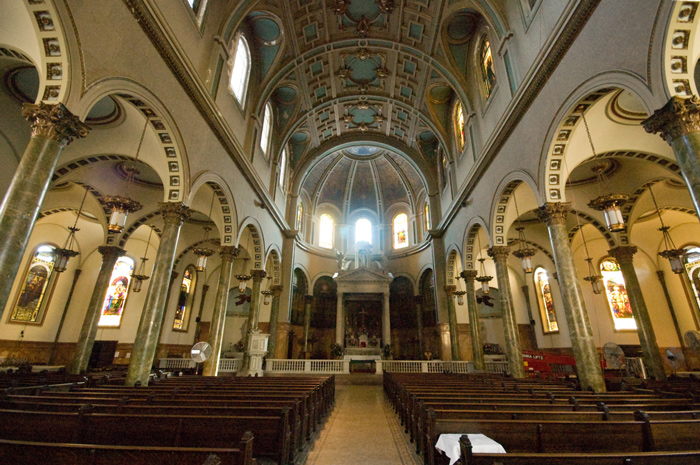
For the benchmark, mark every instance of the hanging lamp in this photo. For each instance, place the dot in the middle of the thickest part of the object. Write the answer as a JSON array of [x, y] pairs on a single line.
[[593, 277], [65, 253], [483, 278], [459, 293], [674, 255], [244, 278], [267, 293], [524, 253], [203, 253], [140, 276]]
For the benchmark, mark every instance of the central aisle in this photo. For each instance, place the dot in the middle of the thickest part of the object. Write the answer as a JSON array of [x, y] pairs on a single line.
[[361, 430]]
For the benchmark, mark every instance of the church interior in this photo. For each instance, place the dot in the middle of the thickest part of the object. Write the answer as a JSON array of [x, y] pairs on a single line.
[[501, 193]]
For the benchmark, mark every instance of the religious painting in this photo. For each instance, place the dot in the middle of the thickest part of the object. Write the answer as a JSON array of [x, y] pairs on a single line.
[[489, 304], [487, 67], [460, 130], [184, 301], [32, 299], [300, 216], [545, 301], [616, 292], [238, 302], [113, 306], [400, 231], [692, 268]]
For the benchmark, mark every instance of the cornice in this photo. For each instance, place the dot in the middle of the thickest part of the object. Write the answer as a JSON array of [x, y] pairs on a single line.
[[165, 43], [549, 59]]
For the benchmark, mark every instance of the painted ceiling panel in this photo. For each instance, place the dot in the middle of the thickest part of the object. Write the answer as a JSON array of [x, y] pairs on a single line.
[[333, 190], [414, 178], [391, 187], [363, 193]]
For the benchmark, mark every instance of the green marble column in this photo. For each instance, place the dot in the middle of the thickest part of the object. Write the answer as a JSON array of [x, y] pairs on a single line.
[[148, 332], [418, 302], [274, 320], [652, 357], [474, 326], [110, 255], [76, 275], [452, 319], [510, 325], [308, 300], [678, 123], [53, 127], [218, 319], [582, 341], [253, 315]]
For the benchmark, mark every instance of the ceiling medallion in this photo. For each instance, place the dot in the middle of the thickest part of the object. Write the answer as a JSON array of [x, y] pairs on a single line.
[[363, 78], [363, 116], [364, 16]]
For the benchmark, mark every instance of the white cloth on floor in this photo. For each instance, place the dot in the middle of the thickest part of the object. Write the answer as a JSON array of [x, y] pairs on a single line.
[[481, 444]]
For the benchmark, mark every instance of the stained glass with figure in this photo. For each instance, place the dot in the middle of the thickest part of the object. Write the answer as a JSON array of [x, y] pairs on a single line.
[[37, 283], [692, 268], [426, 213], [113, 306], [300, 216], [400, 231], [184, 301], [545, 301], [487, 68], [460, 130], [616, 292]]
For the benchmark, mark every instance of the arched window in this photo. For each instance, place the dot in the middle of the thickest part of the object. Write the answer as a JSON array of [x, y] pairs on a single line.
[[185, 300], [325, 236], [33, 298], [545, 301], [363, 231], [283, 167], [400, 231], [692, 267], [616, 292], [487, 69], [198, 7], [426, 213], [300, 216], [460, 130], [113, 306], [266, 129], [240, 71]]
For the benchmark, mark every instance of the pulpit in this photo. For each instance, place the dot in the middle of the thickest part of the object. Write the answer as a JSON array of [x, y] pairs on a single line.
[[258, 348]]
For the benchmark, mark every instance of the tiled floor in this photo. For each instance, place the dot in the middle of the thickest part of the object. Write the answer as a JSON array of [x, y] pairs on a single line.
[[362, 430]]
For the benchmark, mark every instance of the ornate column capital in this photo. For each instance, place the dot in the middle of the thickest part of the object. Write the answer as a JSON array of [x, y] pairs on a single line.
[[469, 275], [499, 253], [552, 213], [623, 253], [54, 122], [679, 117], [276, 290], [111, 252], [258, 274], [174, 212], [228, 253], [450, 288]]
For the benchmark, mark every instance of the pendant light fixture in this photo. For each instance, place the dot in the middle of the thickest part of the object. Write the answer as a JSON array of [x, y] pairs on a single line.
[[610, 203], [483, 278], [674, 255], [243, 278], [267, 293], [140, 276], [122, 206], [593, 277], [203, 253], [524, 253], [65, 253], [459, 293]]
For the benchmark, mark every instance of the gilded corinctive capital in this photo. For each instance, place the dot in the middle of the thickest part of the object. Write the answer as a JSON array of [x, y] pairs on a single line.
[[499, 253], [54, 122], [450, 288], [228, 253], [110, 252], [258, 274], [624, 253], [174, 212], [276, 290], [554, 212], [679, 117], [469, 275]]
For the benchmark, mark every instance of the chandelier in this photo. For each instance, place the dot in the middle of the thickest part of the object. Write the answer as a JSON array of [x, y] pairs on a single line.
[[140, 276], [674, 255], [203, 252], [65, 253]]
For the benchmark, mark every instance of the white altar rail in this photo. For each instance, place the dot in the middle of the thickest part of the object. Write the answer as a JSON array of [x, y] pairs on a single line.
[[496, 367], [420, 366], [307, 366], [226, 365]]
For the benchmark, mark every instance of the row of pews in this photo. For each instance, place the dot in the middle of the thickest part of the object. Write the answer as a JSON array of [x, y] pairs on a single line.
[[190, 420], [545, 422]]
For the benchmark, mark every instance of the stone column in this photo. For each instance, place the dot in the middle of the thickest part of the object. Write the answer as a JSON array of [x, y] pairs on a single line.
[[151, 321], [690, 285], [678, 123], [52, 355], [253, 315], [198, 321], [510, 325], [110, 255], [474, 324], [418, 301], [218, 319], [669, 302], [652, 358], [274, 319], [582, 342], [452, 318], [53, 127], [308, 300], [340, 321], [386, 321]]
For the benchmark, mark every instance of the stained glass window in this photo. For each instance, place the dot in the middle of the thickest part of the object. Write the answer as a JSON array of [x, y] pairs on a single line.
[[184, 301], [325, 237], [487, 68], [113, 306], [240, 70], [363, 231], [692, 267], [443, 170], [37, 284], [616, 292], [300, 216], [400, 231], [283, 167], [460, 131], [545, 301], [426, 213], [266, 128]]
